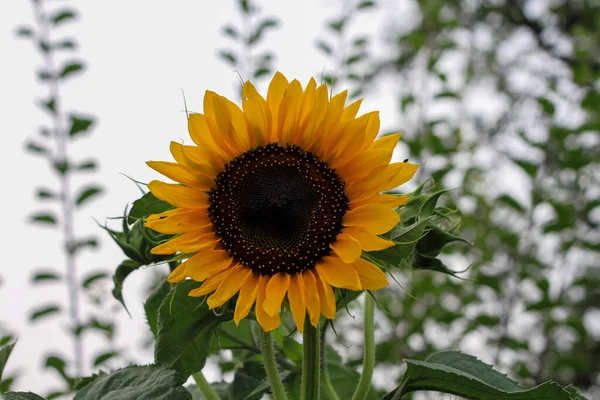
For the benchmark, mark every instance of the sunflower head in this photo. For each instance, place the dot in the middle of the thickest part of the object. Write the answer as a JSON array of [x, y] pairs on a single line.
[[278, 200]]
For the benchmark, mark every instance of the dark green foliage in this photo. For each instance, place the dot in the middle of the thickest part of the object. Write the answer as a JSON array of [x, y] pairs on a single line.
[[136, 382], [185, 329]]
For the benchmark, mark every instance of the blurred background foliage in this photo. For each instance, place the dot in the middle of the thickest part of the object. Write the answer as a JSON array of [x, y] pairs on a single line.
[[500, 102]]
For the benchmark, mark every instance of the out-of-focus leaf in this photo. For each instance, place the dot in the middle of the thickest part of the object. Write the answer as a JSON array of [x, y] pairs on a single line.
[[87, 165], [4, 354], [260, 29], [79, 124], [511, 202], [228, 56], [365, 4], [43, 193], [70, 68], [91, 278], [45, 276], [63, 15], [547, 105], [86, 194], [44, 312], [104, 357], [36, 148], [529, 168], [24, 31], [44, 218]]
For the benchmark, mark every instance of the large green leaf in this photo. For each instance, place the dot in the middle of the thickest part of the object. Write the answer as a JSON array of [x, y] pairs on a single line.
[[137, 382], [185, 329], [22, 396], [147, 205], [463, 375]]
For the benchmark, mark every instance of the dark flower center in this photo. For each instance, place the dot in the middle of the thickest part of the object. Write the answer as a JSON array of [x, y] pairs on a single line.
[[277, 209]]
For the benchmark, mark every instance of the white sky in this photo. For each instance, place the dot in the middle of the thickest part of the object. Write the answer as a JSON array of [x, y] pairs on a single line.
[[139, 56]]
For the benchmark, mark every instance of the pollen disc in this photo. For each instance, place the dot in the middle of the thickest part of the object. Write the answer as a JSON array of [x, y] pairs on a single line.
[[277, 208]]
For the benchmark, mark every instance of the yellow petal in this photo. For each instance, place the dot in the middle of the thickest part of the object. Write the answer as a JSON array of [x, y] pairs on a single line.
[[296, 300], [209, 285], [203, 137], [230, 285], [289, 112], [179, 196], [179, 220], [398, 174], [267, 322], [337, 273], [387, 142], [244, 303], [311, 297], [207, 263], [178, 274], [275, 94], [373, 218], [276, 290], [232, 123], [346, 247], [188, 242], [371, 277], [327, 298], [351, 111], [369, 241], [258, 114], [372, 129]]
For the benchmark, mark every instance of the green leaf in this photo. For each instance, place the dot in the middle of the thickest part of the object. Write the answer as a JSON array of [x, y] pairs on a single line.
[[137, 382], [365, 4], [44, 312], [529, 168], [4, 354], [123, 270], [230, 31], [45, 194], [147, 205], [337, 26], [91, 278], [260, 29], [60, 366], [87, 193], [185, 329], [45, 276], [245, 6], [70, 68], [511, 202], [63, 15], [447, 95], [261, 71], [79, 124], [61, 166], [153, 303], [83, 243], [44, 218], [228, 57], [22, 396], [87, 165], [48, 105], [547, 105], [324, 47], [64, 45], [24, 31], [463, 375], [104, 357], [36, 148]]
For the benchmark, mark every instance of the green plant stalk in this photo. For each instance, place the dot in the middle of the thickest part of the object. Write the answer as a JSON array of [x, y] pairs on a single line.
[[207, 390], [311, 363], [328, 390], [364, 384], [266, 344]]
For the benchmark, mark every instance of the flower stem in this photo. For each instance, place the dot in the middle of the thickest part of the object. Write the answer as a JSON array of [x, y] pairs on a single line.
[[328, 390], [207, 390], [266, 343], [364, 384], [311, 363]]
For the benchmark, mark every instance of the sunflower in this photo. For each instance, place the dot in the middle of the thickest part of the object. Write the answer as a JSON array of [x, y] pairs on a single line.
[[278, 200]]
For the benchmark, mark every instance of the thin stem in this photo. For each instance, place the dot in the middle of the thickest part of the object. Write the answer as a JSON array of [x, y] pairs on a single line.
[[60, 158], [311, 364], [266, 343], [328, 390], [207, 390], [364, 384]]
